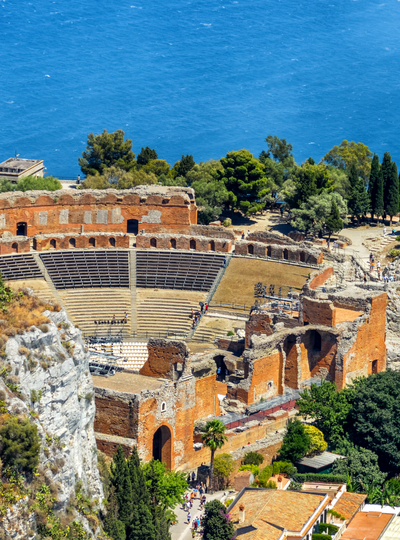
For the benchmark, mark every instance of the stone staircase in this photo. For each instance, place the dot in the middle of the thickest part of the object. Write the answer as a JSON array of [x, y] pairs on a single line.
[[164, 316], [208, 334], [87, 305]]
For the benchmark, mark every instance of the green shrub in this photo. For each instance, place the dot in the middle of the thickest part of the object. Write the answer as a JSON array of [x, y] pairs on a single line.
[[327, 528], [228, 502], [19, 444], [252, 458], [327, 478], [295, 486], [230, 333], [227, 222], [394, 253], [336, 514], [255, 469], [34, 396], [317, 536], [265, 475], [284, 467], [398, 238], [270, 485]]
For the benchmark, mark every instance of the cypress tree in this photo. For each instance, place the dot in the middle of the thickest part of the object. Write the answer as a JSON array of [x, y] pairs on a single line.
[[376, 188], [121, 482], [387, 175], [333, 222], [112, 525], [393, 194], [146, 155], [359, 200], [142, 526], [185, 165]]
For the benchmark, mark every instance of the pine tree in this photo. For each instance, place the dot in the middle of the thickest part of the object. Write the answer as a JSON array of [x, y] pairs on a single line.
[[376, 188], [146, 155], [185, 165], [121, 482], [333, 222], [387, 175], [142, 525], [112, 525], [393, 194]]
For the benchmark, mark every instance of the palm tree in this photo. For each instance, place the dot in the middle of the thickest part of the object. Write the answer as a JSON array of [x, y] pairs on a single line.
[[213, 437]]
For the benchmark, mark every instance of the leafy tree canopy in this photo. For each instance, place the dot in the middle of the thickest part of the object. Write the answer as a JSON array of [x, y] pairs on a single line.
[[375, 417], [348, 153], [166, 488], [169, 181], [317, 441], [216, 522], [325, 212], [245, 180], [213, 436], [328, 409], [309, 180], [358, 202], [158, 167], [296, 443], [361, 466], [107, 150], [279, 150], [146, 155], [211, 195], [19, 444], [119, 179]]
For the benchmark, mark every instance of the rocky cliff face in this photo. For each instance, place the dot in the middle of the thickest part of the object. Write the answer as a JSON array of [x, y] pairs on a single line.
[[57, 393]]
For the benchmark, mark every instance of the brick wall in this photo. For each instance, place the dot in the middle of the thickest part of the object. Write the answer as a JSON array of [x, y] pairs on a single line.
[[154, 207], [15, 244], [258, 324], [176, 241], [318, 279], [166, 358], [212, 231], [280, 252], [80, 241]]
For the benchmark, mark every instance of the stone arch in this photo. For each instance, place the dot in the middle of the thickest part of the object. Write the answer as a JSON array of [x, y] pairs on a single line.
[[72, 242], [250, 249], [192, 244], [153, 242], [92, 242], [14, 247], [112, 242], [269, 251], [53, 244], [162, 445], [211, 245], [302, 256], [285, 254], [172, 243]]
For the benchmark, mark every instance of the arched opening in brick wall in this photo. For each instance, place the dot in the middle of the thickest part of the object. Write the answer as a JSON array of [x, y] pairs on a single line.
[[72, 242], [285, 254], [53, 244], [153, 242], [172, 243], [302, 256], [162, 445], [211, 245], [269, 251], [92, 242], [222, 370], [250, 249], [14, 247], [132, 226], [374, 366], [22, 229], [192, 244], [112, 242]]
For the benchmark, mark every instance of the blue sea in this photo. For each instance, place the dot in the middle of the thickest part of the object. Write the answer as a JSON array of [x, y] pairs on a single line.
[[202, 77]]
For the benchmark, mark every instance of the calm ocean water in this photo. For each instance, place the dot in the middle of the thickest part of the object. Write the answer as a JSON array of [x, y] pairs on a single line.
[[202, 77]]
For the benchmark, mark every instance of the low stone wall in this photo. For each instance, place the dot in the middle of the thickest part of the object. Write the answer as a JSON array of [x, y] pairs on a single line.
[[82, 241], [280, 252], [270, 237], [212, 231], [181, 241], [14, 244]]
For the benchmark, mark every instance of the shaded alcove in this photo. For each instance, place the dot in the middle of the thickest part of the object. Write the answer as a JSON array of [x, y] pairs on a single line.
[[162, 445]]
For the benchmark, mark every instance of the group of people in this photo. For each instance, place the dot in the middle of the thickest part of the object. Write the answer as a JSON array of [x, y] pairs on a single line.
[[386, 279], [197, 314], [114, 320], [198, 492]]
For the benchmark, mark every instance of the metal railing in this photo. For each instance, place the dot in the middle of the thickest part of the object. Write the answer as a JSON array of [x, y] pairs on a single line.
[[242, 307]]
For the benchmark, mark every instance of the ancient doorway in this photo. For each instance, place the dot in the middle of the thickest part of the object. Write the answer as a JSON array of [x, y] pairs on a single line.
[[211, 245], [53, 244], [285, 254], [302, 256], [153, 242], [112, 242], [72, 242], [92, 242], [192, 244], [172, 243], [14, 247], [162, 445], [269, 251], [222, 370], [22, 229], [374, 366], [132, 226], [250, 249]]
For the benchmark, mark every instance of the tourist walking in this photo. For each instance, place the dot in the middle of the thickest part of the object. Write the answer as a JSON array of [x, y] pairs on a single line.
[[384, 231], [189, 517], [365, 278]]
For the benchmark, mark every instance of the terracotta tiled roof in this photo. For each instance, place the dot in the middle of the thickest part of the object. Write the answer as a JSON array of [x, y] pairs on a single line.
[[271, 511], [349, 504]]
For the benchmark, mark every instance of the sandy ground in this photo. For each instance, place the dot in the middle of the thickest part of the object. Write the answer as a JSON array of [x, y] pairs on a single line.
[[127, 382]]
